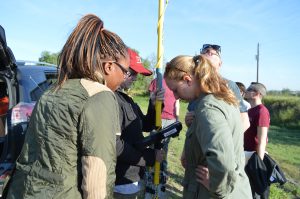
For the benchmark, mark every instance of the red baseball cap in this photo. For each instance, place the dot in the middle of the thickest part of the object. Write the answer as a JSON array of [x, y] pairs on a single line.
[[136, 63]]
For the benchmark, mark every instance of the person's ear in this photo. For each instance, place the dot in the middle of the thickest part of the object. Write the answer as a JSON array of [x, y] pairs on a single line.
[[187, 78], [107, 67]]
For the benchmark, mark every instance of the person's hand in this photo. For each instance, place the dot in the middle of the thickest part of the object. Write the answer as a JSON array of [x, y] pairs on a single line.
[[189, 118], [160, 94], [159, 155], [202, 176], [157, 95], [182, 159]]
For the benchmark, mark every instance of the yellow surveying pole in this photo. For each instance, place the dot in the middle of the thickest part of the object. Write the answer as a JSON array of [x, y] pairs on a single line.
[[158, 104], [159, 64]]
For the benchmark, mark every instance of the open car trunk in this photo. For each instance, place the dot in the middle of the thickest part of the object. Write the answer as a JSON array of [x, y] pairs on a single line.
[[7, 58]]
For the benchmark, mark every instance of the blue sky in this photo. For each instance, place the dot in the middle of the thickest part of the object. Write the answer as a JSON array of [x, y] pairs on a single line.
[[33, 26]]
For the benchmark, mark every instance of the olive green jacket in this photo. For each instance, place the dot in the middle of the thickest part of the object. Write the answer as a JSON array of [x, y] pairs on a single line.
[[70, 144], [215, 140]]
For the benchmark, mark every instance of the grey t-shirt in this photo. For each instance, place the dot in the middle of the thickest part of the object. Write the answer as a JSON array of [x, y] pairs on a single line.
[[232, 85]]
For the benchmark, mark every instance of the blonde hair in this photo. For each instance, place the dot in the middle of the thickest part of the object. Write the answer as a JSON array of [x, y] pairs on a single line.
[[201, 68]]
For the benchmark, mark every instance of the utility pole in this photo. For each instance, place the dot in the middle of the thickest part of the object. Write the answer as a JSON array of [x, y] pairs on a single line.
[[257, 62]]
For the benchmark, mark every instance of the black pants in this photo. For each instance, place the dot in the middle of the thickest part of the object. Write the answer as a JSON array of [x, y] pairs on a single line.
[[264, 195]]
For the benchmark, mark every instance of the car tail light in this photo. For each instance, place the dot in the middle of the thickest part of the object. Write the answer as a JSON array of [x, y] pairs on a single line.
[[21, 112]]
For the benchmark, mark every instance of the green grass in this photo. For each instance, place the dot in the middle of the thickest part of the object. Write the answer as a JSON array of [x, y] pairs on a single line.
[[283, 146]]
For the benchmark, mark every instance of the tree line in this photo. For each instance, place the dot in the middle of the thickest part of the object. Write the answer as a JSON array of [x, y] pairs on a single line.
[[142, 82]]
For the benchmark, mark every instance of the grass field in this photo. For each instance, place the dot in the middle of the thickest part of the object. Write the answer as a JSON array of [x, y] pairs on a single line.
[[283, 146]]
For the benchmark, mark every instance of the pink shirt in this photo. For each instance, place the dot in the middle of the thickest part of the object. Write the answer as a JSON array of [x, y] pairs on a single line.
[[169, 111]]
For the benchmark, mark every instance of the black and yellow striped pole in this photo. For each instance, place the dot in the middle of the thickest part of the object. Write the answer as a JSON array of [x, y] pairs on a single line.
[[158, 104], [159, 64]]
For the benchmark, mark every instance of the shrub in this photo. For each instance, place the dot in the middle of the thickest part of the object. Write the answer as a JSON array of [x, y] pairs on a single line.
[[284, 110], [141, 85]]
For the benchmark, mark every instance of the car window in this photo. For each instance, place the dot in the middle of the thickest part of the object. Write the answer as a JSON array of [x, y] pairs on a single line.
[[36, 93]]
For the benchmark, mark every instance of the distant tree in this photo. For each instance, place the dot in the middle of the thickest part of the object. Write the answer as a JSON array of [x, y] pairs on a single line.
[[141, 85], [274, 92], [49, 57], [286, 91], [152, 62], [142, 82]]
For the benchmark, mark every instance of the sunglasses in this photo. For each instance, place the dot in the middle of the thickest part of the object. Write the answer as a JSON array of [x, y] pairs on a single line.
[[251, 90], [132, 72], [124, 70], [213, 46]]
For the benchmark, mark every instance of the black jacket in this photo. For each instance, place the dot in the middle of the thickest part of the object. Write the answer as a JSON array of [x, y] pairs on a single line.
[[262, 173], [131, 161]]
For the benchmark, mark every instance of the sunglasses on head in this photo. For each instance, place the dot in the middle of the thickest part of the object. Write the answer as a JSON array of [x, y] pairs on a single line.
[[213, 46]]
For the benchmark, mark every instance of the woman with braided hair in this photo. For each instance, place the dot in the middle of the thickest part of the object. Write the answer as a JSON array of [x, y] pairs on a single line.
[[214, 139], [70, 144]]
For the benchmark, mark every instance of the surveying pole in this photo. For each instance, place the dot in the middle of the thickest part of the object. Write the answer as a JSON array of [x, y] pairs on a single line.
[[158, 104]]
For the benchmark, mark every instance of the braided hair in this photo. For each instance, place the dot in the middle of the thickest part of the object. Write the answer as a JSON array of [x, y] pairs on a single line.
[[86, 48]]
